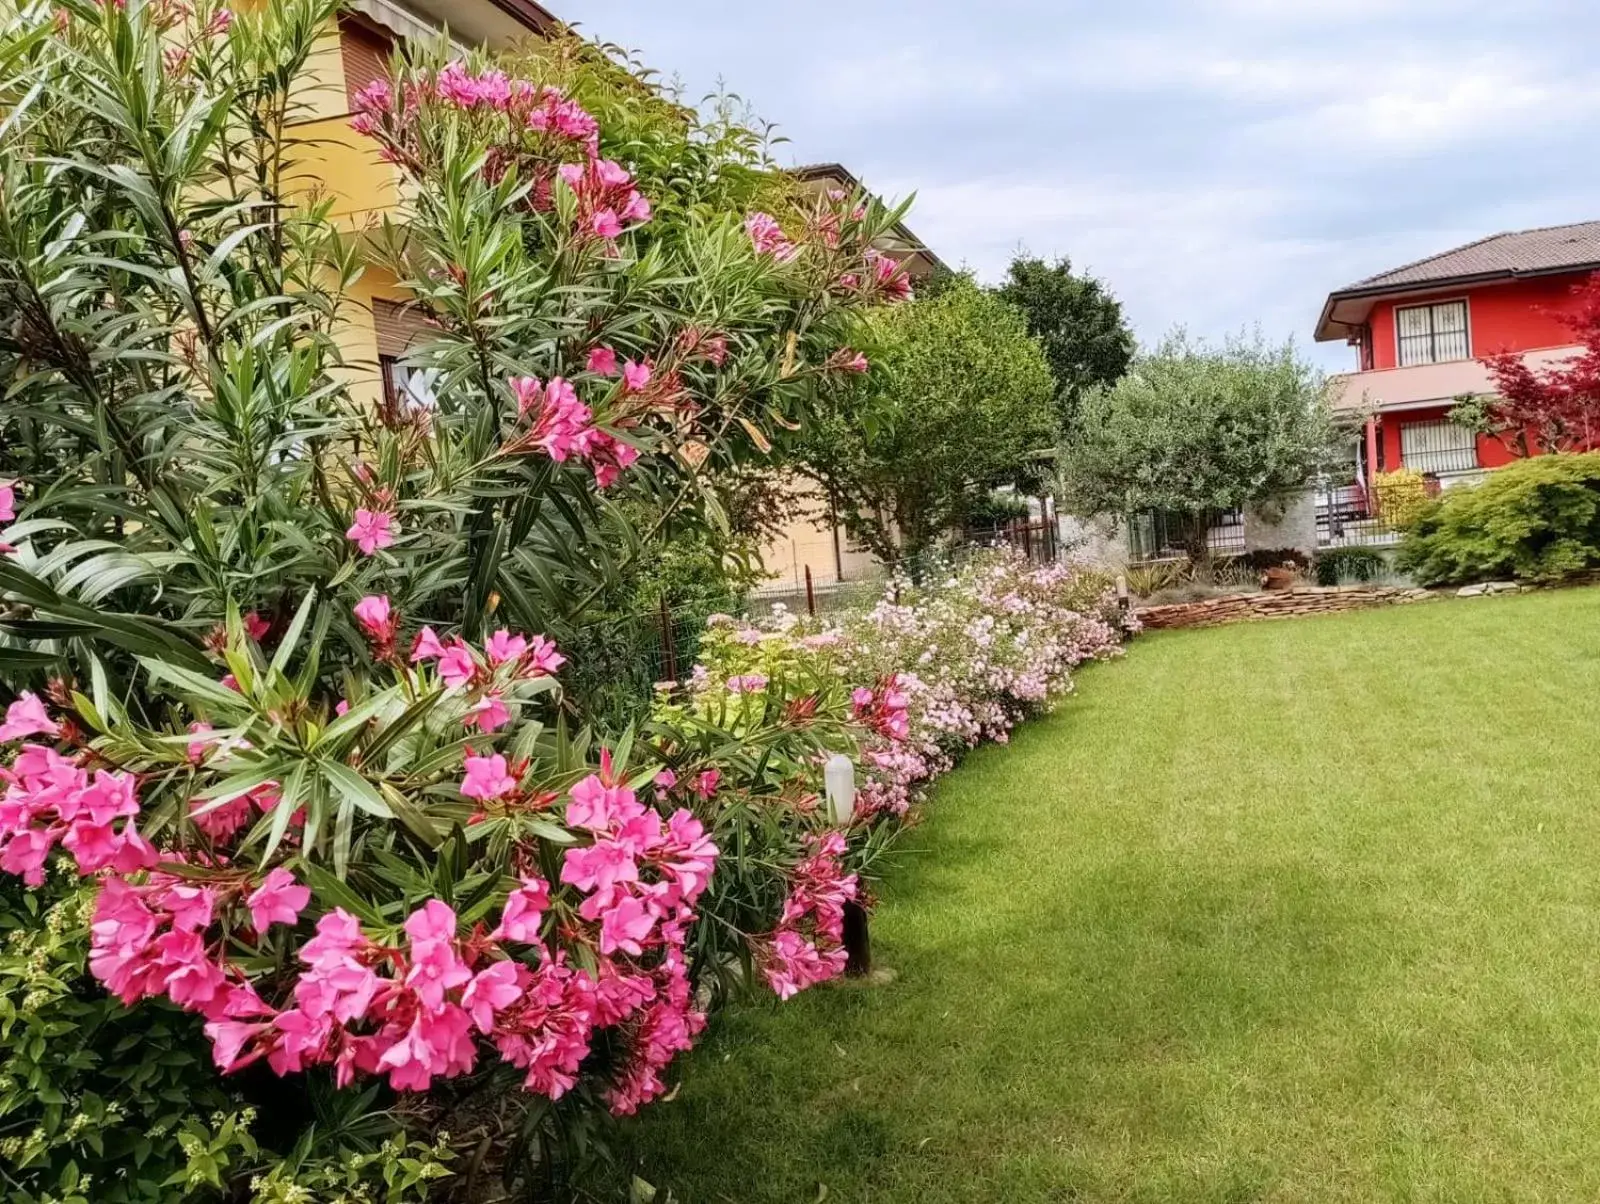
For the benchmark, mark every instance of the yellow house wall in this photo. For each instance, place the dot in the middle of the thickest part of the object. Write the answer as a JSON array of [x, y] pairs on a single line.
[[808, 541], [357, 335]]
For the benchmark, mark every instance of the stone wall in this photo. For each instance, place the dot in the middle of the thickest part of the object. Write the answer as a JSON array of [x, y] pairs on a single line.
[[1303, 600]]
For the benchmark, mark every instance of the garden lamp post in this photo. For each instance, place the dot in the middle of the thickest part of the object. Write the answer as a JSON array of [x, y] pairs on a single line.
[[839, 777]]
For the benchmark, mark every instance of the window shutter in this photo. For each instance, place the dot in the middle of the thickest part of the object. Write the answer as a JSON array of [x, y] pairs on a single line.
[[365, 50], [399, 327]]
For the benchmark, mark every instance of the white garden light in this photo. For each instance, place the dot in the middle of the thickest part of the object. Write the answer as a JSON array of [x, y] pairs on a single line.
[[839, 774]]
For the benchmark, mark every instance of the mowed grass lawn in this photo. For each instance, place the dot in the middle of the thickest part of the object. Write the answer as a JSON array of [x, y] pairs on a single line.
[[1293, 911]]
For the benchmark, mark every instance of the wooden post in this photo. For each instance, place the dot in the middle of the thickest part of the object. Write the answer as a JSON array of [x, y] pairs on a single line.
[[668, 644], [1027, 539], [811, 594]]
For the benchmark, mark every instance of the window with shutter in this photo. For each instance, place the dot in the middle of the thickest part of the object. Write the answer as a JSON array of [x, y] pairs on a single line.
[[365, 51]]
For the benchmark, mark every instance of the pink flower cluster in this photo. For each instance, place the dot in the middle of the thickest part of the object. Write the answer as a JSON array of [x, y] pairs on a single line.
[[883, 708], [808, 946], [768, 237], [53, 800], [168, 937], [490, 678], [607, 199], [561, 426]]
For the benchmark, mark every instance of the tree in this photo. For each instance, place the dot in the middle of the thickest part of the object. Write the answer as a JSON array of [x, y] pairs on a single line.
[[1193, 429], [1078, 322], [955, 404], [1556, 408]]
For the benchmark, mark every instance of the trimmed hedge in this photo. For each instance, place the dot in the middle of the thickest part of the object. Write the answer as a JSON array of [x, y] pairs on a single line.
[[1534, 520]]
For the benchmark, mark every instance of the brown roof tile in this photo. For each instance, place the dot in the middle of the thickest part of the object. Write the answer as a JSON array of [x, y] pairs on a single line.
[[1547, 249]]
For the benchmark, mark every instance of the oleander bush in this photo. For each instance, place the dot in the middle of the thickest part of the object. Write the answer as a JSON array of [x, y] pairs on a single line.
[[1533, 520], [293, 791]]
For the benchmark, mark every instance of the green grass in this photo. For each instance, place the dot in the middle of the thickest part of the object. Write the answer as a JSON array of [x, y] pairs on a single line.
[[1296, 911]]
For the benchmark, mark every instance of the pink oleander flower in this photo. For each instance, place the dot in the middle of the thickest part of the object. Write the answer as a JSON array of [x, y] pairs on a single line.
[[597, 806], [625, 926], [373, 613], [600, 867], [705, 785], [278, 900], [221, 21], [255, 627], [27, 717], [502, 646], [491, 991], [748, 683], [559, 420], [541, 659], [456, 666], [371, 530], [426, 646], [606, 224], [524, 910], [636, 376], [487, 778], [436, 965], [489, 713], [8, 501], [768, 237], [603, 361]]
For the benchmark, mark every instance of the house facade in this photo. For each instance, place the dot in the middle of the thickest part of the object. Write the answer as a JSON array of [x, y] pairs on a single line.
[[1422, 332]]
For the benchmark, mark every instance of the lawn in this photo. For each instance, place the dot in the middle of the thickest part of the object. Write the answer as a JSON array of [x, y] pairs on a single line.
[[1294, 911]]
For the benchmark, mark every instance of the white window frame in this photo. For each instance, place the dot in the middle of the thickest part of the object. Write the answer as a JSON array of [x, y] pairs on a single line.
[[1466, 311]]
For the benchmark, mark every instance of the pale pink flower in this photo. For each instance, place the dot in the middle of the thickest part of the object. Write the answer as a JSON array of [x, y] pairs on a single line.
[[603, 361], [636, 376], [8, 501], [278, 900], [372, 612], [27, 717], [456, 666], [371, 530], [524, 909], [502, 646], [426, 646], [487, 778]]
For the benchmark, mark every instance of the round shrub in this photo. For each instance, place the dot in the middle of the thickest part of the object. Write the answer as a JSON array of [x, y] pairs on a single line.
[[1535, 520]]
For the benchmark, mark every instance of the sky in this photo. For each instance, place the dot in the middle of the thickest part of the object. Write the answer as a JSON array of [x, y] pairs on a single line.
[[1220, 164]]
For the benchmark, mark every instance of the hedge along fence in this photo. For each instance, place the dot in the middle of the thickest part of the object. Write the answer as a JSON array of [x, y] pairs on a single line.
[[294, 793]]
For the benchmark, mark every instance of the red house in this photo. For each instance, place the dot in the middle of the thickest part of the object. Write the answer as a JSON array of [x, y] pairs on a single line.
[[1421, 333]]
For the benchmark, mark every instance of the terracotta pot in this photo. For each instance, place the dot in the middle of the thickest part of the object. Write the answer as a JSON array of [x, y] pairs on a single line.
[[1279, 578]]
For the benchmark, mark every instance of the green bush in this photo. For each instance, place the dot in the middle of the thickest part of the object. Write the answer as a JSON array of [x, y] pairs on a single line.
[[1274, 558], [1536, 519], [1339, 565]]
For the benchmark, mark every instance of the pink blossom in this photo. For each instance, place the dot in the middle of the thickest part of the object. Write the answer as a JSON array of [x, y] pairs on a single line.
[[597, 806], [705, 785], [255, 627], [748, 683], [600, 867], [524, 909], [502, 646], [372, 612], [768, 237], [456, 666], [606, 224], [426, 646], [436, 966], [625, 925], [489, 713], [371, 530], [636, 376], [487, 778], [541, 659], [27, 717], [491, 990], [278, 900], [8, 501], [603, 361]]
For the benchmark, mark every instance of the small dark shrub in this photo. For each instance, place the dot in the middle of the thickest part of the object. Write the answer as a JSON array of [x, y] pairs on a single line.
[[1536, 519], [1275, 558], [1338, 565]]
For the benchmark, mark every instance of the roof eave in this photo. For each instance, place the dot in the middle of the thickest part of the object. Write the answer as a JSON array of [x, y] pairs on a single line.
[[1328, 329], [838, 171]]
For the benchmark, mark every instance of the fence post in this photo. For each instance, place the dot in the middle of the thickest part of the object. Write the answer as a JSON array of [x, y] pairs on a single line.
[[668, 643], [811, 594], [1027, 539]]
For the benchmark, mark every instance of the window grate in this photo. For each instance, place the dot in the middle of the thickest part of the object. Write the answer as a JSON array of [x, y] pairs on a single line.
[[1432, 334], [1438, 447]]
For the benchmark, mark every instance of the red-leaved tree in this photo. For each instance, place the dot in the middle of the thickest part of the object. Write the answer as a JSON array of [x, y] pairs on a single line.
[[1554, 408]]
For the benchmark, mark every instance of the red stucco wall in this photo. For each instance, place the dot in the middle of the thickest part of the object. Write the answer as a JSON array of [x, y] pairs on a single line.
[[1520, 315], [1492, 453]]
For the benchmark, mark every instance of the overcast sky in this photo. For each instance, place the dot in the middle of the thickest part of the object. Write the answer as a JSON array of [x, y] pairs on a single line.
[[1220, 163]]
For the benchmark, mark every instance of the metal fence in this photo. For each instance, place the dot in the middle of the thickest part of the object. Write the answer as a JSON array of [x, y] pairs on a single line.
[[1160, 535]]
